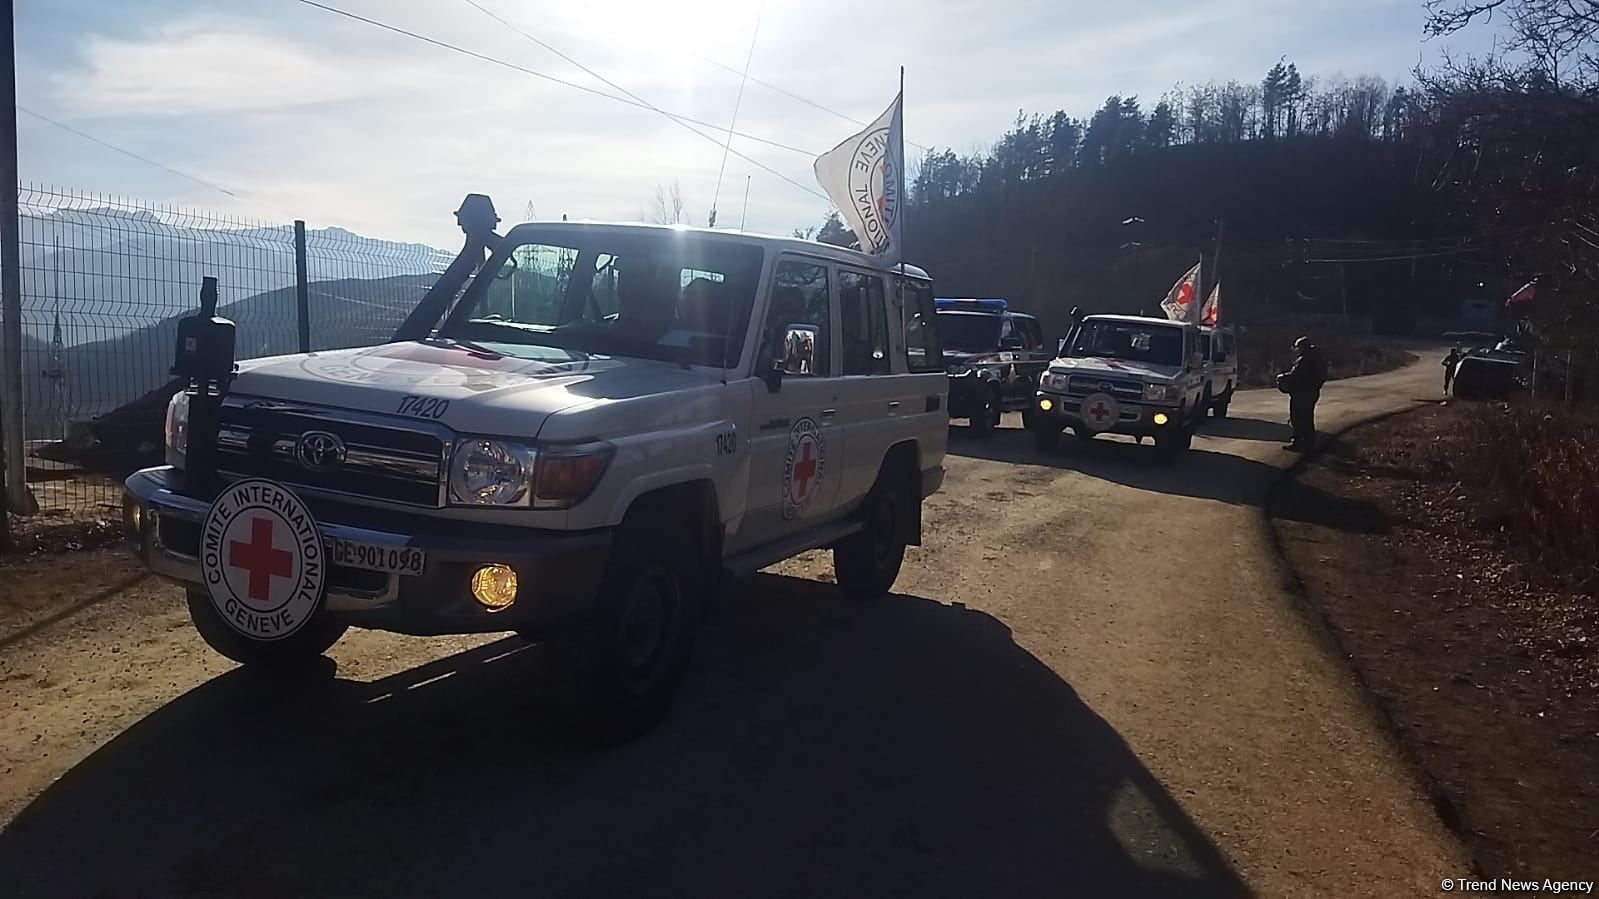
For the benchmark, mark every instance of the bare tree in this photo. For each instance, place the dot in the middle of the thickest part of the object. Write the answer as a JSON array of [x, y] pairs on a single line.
[[668, 206]]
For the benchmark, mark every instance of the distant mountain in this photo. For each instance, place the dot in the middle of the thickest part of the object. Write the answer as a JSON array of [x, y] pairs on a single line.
[[75, 383], [105, 272]]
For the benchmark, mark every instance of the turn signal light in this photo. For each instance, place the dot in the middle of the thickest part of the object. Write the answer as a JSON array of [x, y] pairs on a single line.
[[564, 480]]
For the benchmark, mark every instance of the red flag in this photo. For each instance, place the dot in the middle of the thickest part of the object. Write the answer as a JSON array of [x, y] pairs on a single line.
[[1179, 304], [1212, 310], [1524, 295]]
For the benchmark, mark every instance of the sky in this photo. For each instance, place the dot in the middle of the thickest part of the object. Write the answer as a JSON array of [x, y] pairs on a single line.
[[289, 111]]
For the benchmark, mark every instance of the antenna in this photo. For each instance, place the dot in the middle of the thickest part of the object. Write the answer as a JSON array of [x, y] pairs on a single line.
[[531, 214], [746, 212], [737, 102]]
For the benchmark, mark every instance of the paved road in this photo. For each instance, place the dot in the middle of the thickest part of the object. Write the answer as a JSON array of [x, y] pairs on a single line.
[[1090, 683]]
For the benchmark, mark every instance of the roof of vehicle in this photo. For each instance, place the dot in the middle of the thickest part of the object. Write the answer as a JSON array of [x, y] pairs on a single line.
[[986, 313], [1135, 320], [845, 255]]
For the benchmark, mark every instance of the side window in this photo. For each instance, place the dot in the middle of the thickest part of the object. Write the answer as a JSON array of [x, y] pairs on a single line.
[[918, 317], [1032, 334], [799, 297], [1007, 332], [864, 328]]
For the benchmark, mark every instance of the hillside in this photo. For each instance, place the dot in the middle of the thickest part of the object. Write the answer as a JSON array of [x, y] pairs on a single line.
[[104, 374]]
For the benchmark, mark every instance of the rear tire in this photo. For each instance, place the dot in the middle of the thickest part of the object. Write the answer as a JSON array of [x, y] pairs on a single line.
[[299, 649], [867, 563], [619, 666]]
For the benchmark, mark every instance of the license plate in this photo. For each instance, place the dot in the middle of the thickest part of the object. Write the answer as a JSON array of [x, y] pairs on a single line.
[[376, 557]]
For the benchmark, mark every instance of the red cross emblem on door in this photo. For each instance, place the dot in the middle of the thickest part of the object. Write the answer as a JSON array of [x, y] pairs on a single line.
[[804, 468], [260, 559]]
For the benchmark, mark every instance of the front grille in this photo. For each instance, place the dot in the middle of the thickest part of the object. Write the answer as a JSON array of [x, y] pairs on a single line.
[[1120, 388], [386, 459]]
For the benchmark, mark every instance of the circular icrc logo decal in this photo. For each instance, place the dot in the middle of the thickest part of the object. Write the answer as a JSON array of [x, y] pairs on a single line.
[[874, 188], [1100, 412], [802, 476], [262, 559]]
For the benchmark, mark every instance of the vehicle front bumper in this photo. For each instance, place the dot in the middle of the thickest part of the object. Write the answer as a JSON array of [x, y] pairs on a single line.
[[1136, 419], [558, 573], [969, 393]]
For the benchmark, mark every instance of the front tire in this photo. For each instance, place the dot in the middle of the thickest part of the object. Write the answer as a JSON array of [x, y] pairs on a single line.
[[867, 563], [299, 649], [620, 664]]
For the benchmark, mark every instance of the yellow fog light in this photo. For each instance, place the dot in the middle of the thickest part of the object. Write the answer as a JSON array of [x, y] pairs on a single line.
[[1046, 404], [494, 587], [1160, 418]]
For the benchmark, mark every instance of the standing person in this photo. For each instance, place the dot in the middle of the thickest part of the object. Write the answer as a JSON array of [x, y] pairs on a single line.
[[1451, 362], [1303, 383]]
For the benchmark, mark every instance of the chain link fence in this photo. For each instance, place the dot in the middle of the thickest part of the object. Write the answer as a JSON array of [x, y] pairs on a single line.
[[104, 281]]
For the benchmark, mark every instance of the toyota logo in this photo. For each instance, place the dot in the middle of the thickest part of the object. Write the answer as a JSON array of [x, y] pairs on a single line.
[[320, 451], [1106, 386]]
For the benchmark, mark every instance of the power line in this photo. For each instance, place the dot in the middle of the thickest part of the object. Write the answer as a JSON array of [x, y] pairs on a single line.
[[737, 102], [793, 96], [637, 100], [125, 152], [483, 57]]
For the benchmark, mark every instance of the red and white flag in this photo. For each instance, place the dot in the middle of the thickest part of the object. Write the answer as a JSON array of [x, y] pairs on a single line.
[[1181, 303], [1524, 295], [865, 178], [1212, 310]]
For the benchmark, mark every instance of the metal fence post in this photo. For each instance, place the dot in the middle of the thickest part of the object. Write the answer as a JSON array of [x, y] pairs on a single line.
[[17, 497], [302, 287]]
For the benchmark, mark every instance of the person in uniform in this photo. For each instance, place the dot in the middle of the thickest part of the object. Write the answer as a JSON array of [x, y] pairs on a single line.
[[1302, 383], [1451, 362]]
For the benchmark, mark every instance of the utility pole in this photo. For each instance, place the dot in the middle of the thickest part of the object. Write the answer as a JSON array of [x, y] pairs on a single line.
[[17, 498]]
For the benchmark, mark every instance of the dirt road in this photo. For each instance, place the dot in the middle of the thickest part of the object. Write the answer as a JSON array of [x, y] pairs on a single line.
[[1090, 683]]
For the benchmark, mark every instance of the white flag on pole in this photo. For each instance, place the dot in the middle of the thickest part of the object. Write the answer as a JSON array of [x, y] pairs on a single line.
[[864, 177], [1180, 304], [1212, 310]]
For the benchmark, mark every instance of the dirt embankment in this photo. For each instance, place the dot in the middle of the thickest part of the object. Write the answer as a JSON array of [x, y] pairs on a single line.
[[1485, 661]]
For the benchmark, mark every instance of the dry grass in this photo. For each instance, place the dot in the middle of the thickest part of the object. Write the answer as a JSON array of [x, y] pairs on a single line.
[[1536, 476], [1265, 351]]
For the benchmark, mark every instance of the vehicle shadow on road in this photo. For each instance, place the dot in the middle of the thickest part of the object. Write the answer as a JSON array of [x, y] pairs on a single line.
[[1246, 429], [896, 748], [1198, 473]]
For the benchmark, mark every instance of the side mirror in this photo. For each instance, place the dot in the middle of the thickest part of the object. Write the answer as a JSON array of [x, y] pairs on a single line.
[[1197, 360], [795, 355]]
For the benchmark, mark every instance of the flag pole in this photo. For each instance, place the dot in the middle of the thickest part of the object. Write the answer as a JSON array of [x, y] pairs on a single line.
[[899, 203]]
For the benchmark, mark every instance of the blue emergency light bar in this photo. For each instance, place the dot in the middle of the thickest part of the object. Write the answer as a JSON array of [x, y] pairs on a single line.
[[980, 305]]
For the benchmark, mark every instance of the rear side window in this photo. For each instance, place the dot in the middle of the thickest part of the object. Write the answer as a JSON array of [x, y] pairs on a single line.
[[919, 318], [864, 324], [1032, 335]]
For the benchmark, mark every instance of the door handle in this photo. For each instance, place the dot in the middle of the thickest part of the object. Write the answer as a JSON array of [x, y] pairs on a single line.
[[827, 414], [893, 404]]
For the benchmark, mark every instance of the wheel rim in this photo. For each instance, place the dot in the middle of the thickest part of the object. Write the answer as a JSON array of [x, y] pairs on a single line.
[[644, 633]]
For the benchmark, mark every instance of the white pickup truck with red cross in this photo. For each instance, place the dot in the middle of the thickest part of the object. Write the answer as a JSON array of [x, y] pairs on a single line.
[[596, 428], [1123, 374]]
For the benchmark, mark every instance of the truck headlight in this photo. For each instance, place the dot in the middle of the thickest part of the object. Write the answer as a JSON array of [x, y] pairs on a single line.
[[491, 473], [1052, 380], [1161, 393], [177, 428]]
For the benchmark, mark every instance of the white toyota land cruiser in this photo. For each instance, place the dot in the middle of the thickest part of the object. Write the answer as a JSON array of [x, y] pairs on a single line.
[[1122, 374], [577, 439]]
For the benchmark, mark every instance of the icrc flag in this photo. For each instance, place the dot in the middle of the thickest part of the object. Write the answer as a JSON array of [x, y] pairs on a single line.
[[864, 177], [1180, 304], [1212, 310]]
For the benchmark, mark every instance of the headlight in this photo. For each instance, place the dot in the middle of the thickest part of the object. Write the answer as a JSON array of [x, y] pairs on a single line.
[[1053, 380], [177, 428], [1161, 393], [488, 472], [491, 473]]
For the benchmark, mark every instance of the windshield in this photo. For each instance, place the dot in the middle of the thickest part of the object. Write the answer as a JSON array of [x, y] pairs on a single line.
[[652, 294], [1154, 344], [968, 332]]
